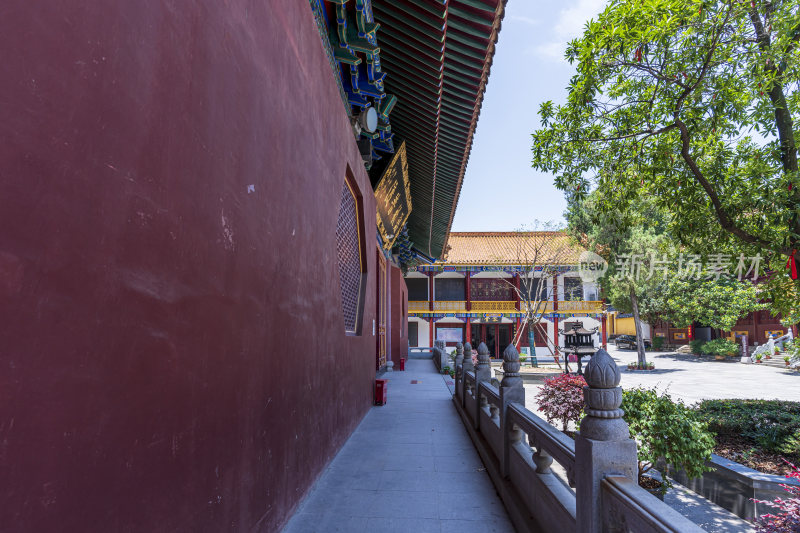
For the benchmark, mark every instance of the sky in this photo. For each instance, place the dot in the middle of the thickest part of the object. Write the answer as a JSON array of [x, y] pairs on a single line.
[[501, 191]]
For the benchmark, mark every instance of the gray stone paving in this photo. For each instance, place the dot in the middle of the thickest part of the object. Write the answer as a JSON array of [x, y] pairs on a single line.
[[693, 379], [409, 467]]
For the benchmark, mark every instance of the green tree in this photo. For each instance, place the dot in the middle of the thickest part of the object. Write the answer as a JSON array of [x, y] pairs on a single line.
[[635, 234], [694, 104], [649, 285], [717, 303]]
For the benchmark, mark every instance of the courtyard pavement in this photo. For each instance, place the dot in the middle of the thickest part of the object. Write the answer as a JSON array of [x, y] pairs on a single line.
[[692, 378], [410, 466]]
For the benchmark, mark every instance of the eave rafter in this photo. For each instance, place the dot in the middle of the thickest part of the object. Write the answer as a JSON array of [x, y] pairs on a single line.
[[440, 54]]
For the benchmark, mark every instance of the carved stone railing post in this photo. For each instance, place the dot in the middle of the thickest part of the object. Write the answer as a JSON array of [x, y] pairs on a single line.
[[458, 368], [511, 390], [483, 372], [603, 446], [466, 366]]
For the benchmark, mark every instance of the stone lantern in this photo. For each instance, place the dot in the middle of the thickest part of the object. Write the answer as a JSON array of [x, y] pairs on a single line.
[[578, 341]]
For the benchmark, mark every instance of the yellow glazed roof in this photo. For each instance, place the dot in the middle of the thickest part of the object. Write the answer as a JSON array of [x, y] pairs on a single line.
[[511, 248]]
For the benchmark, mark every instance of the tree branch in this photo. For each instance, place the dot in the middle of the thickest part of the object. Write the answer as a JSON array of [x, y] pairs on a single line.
[[722, 216]]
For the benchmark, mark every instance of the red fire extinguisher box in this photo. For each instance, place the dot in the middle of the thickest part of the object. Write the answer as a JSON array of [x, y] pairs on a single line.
[[402, 363], [380, 391]]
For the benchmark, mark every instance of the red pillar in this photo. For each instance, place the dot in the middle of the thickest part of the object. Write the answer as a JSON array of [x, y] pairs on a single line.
[[430, 291], [469, 292], [605, 333], [555, 310], [430, 305], [691, 332]]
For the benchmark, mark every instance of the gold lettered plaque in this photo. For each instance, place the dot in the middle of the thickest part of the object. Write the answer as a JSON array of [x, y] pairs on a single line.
[[393, 198]]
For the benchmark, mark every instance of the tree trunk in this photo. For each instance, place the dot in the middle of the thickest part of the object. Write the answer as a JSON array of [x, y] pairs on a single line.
[[637, 321], [532, 344]]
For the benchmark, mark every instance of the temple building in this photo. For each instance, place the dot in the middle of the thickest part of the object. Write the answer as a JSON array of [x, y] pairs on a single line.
[[208, 208], [473, 294], [758, 326]]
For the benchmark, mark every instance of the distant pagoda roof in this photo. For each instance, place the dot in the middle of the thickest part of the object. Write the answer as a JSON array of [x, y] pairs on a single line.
[[437, 56]]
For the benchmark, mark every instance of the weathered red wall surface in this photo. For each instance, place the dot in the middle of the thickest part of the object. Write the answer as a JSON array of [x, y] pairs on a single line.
[[172, 348], [399, 316]]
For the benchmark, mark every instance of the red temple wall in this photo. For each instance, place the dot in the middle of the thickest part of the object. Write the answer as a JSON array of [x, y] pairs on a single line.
[[173, 348], [399, 317]]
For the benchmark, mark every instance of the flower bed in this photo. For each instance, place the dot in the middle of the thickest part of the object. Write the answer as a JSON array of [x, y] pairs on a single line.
[[760, 434], [639, 366]]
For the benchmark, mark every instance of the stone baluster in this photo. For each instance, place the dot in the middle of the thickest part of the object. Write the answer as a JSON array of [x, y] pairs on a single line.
[[603, 447], [458, 368], [511, 390], [542, 460], [466, 366]]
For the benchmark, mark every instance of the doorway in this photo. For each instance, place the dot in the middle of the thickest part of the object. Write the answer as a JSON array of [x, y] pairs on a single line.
[[413, 334], [496, 336]]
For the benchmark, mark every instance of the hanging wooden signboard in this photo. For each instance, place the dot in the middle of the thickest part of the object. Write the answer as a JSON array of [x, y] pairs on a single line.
[[393, 198]]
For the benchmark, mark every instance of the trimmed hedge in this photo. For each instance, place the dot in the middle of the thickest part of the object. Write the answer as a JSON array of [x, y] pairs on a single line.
[[772, 424]]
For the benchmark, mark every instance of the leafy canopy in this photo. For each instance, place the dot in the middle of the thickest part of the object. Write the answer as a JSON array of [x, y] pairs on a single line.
[[695, 105]]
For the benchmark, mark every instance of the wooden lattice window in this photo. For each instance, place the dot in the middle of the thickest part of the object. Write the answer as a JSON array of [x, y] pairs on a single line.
[[351, 258]]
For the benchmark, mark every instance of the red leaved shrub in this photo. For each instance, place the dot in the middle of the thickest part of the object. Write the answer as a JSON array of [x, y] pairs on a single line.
[[789, 520], [561, 398]]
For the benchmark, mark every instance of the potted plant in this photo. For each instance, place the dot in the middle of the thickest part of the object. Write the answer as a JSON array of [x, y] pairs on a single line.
[[758, 357], [721, 348], [697, 346], [787, 359], [666, 431]]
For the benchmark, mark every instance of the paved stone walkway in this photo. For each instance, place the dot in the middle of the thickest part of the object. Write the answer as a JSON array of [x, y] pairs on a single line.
[[409, 467]]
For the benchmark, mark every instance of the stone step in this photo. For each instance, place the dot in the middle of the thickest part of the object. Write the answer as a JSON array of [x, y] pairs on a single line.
[[777, 362]]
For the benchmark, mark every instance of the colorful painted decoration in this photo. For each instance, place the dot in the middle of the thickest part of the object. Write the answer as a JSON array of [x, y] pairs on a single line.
[[352, 44]]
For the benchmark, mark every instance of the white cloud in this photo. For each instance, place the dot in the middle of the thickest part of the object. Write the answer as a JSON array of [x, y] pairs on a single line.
[[553, 50], [571, 21], [527, 20], [568, 25]]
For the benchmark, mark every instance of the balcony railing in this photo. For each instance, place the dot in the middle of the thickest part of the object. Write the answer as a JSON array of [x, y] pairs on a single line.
[[418, 305], [450, 306], [571, 306], [494, 307], [582, 306]]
